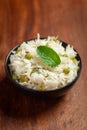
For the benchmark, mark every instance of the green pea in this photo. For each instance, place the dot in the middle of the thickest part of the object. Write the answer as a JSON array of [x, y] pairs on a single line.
[[41, 87], [15, 77], [47, 44], [24, 78], [33, 71], [55, 39], [17, 51], [66, 70], [74, 60], [28, 55], [64, 55]]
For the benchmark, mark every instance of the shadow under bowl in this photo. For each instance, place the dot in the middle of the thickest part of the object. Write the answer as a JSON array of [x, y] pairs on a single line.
[[54, 93]]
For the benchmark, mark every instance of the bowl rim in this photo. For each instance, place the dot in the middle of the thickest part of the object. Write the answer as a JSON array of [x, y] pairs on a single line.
[[69, 85]]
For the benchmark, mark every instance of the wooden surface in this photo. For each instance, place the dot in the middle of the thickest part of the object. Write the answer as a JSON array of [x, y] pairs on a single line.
[[21, 20]]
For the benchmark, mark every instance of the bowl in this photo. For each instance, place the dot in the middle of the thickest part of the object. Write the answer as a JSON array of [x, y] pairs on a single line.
[[54, 93]]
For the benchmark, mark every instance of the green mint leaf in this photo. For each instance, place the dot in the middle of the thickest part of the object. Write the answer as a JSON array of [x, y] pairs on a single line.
[[48, 56]]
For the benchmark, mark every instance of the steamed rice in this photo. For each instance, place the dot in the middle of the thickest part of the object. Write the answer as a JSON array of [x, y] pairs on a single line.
[[33, 73]]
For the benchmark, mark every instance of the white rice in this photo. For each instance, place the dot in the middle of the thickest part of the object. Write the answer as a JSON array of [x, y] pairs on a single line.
[[40, 76]]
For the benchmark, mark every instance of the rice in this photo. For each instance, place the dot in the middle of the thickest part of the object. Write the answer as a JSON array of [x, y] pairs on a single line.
[[33, 73]]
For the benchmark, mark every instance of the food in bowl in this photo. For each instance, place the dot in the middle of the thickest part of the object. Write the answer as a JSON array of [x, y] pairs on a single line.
[[44, 64]]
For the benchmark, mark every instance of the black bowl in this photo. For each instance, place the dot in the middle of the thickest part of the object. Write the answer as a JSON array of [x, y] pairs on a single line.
[[42, 93]]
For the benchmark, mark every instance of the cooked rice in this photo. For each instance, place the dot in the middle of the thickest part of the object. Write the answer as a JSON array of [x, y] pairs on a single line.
[[33, 73]]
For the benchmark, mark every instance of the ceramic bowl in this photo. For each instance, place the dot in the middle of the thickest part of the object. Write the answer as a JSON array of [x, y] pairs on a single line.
[[42, 93]]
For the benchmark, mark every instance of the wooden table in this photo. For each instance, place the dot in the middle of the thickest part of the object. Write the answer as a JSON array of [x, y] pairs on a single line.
[[21, 20]]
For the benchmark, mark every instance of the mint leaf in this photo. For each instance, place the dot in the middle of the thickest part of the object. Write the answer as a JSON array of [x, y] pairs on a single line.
[[48, 56]]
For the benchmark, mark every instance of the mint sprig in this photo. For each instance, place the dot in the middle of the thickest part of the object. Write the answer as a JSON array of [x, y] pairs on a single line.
[[48, 56]]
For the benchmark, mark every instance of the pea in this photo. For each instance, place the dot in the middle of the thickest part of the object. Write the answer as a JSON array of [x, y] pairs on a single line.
[[55, 39], [24, 78], [33, 71], [64, 55], [17, 51], [78, 68], [15, 77], [28, 55], [66, 70], [47, 44], [41, 87], [73, 59]]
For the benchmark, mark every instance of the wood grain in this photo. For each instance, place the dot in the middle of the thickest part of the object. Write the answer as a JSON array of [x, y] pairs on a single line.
[[22, 20]]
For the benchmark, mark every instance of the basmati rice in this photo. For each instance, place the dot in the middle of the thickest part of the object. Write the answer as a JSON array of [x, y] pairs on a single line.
[[27, 68]]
